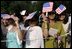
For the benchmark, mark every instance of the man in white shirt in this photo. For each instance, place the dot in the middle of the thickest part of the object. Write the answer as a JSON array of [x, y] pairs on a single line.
[[34, 36]]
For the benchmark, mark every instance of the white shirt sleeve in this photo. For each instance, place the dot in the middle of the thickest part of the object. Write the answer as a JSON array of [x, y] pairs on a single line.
[[42, 44], [41, 39], [39, 36]]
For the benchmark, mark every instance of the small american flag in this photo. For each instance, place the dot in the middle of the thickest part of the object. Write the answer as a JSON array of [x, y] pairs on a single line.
[[47, 7], [60, 9]]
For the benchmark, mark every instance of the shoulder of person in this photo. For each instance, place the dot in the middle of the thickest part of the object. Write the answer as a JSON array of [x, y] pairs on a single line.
[[44, 20], [38, 27], [59, 23]]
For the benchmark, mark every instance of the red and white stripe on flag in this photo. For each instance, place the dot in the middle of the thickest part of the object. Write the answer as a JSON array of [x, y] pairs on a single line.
[[59, 11], [48, 9]]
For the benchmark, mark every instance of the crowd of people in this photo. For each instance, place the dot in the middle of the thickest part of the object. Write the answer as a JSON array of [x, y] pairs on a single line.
[[41, 31]]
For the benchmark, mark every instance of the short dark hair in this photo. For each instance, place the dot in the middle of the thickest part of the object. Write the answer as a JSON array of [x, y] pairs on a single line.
[[65, 19], [11, 22], [34, 19]]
